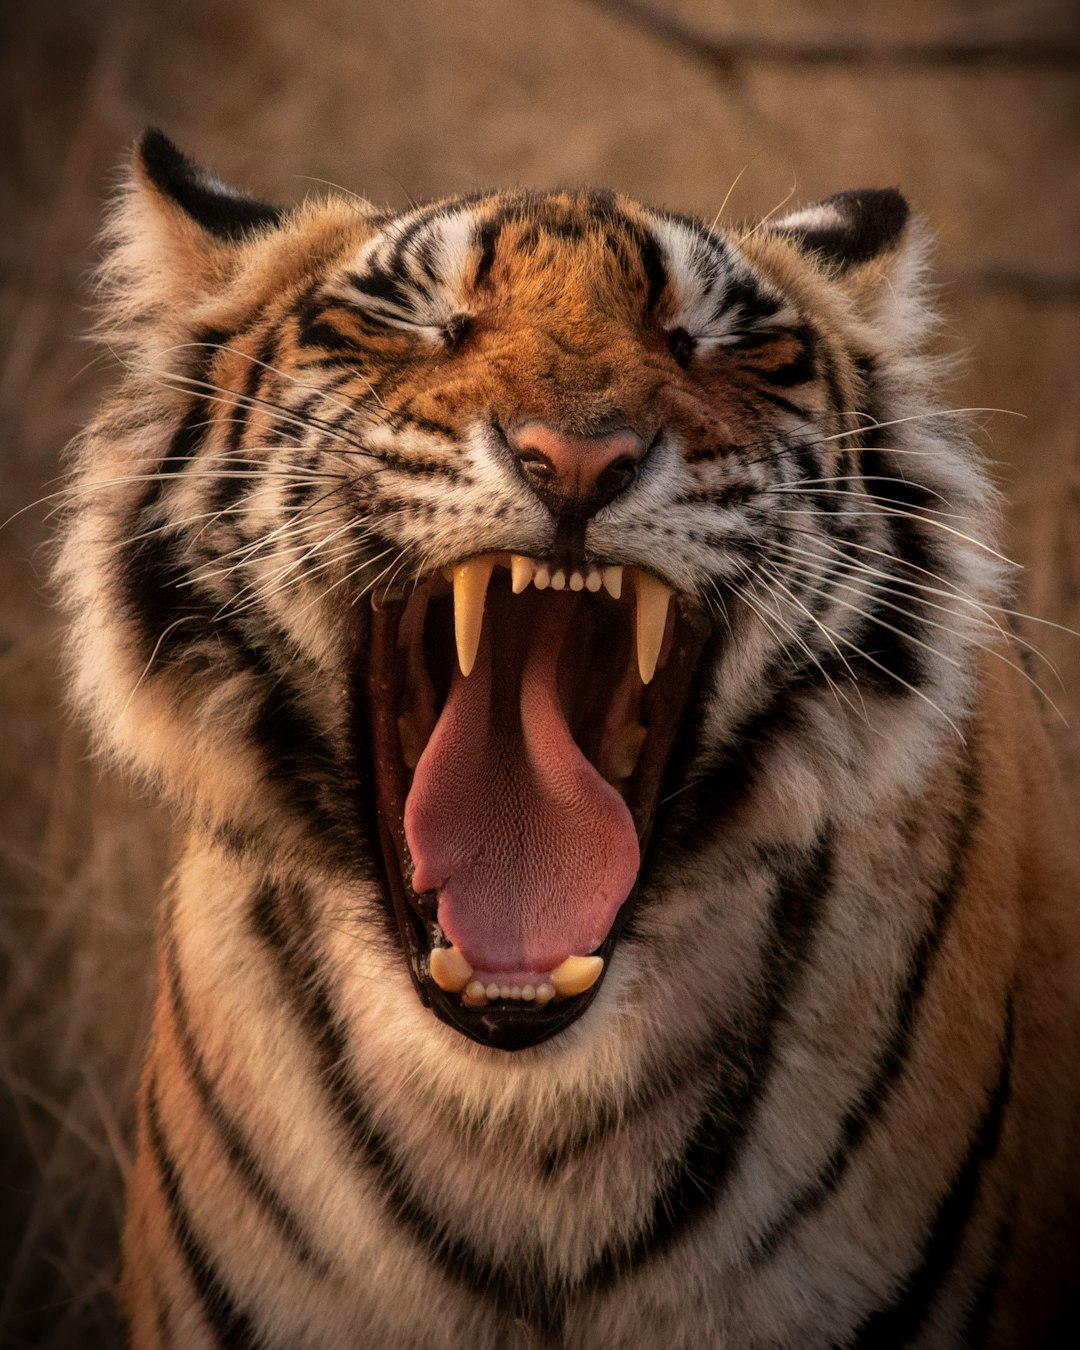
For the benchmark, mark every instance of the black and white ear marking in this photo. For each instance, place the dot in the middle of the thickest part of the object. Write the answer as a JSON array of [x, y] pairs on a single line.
[[220, 210], [850, 228]]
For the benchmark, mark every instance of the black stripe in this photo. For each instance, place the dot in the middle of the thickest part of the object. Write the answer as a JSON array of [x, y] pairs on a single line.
[[800, 369], [652, 264], [731, 771], [487, 236], [897, 1324], [300, 760], [231, 486], [742, 1065], [232, 1328], [244, 1161], [743, 293], [980, 1313], [149, 571], [896, 1051], [528, 1297]]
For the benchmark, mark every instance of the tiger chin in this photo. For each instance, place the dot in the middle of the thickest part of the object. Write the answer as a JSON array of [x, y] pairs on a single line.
[[627, 898]]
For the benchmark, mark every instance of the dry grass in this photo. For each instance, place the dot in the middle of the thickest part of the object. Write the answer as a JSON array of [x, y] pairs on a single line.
[[409, 96]]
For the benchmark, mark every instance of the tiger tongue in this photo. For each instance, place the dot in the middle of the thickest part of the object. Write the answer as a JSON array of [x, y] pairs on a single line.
[[530, 850]]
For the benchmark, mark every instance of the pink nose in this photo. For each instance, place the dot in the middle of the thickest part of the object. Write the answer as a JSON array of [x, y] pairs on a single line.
[[579, 473]]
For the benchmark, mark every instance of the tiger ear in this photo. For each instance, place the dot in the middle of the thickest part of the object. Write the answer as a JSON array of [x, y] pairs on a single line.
[[174, 240], [179, 186], [849, 229]]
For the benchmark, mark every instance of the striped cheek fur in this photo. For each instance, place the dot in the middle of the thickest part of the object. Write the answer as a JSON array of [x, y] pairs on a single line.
[[625, 898]]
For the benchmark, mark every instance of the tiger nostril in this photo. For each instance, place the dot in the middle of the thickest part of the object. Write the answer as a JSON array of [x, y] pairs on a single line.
[[576, 474]]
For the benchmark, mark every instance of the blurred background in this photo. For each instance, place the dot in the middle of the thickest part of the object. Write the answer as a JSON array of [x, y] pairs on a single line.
[[972, 108]]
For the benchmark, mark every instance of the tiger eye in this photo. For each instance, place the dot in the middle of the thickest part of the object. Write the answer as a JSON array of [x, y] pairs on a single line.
[[457, 329], [681, 345]]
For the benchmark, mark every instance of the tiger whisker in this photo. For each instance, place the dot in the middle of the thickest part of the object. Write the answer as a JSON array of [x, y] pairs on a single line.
[[286, 375], [259, 591], [984, 609], [809, 487], [993, 651], [837, 693], [920, 520], [829, 636], [918, 417], [232, 398]]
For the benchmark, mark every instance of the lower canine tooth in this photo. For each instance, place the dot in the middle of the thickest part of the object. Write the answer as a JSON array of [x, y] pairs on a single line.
[[576, 974], [623, 756], [412, 743], [470, 590], [653, 598], [449, 969]]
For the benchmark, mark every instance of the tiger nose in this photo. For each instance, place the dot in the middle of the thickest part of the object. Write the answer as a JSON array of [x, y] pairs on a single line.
[[576, 475]]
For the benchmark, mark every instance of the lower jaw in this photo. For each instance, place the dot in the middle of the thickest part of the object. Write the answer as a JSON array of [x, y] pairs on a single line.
[[503, 1025]]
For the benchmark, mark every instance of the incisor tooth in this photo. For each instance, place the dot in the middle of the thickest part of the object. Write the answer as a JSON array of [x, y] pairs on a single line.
[[449, 969], [542, 578], [594, 580], [613, 581], [544, 993], [470, 590], [521, 572], [576, 974], [653, 598], [577, 581], [558, 580]]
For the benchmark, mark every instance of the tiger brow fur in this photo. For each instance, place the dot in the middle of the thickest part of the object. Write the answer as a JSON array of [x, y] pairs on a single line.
[[827, 1094]]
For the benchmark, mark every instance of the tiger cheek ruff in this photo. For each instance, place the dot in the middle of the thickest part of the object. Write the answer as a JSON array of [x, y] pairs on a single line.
[[627, 901]]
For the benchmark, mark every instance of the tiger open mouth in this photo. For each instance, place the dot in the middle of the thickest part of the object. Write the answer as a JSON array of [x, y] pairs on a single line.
[[523, 715]]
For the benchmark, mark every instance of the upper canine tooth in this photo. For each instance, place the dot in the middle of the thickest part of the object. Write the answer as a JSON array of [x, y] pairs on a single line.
[[576, 974], [470, 590], [613, 581], [521, 572], [653, 598], [449, 969]]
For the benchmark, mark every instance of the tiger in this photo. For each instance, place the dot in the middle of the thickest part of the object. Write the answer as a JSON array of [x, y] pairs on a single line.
[[625, 896]]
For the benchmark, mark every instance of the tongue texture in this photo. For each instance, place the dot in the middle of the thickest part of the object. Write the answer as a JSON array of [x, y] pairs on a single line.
[[530, 850]]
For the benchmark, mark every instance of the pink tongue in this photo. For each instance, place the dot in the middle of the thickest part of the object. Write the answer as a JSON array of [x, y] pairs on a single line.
[[530, 850]]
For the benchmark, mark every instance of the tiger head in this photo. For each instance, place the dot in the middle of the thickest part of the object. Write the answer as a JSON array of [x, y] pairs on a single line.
[[459, 549]]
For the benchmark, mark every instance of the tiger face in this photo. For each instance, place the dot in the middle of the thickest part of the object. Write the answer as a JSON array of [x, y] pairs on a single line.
[[485, 538]]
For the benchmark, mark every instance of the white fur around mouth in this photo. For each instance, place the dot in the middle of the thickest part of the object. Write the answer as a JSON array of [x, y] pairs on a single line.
[[453, 973]]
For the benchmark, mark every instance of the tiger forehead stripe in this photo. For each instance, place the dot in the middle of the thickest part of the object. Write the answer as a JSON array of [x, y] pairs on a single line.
[[620, 835]]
